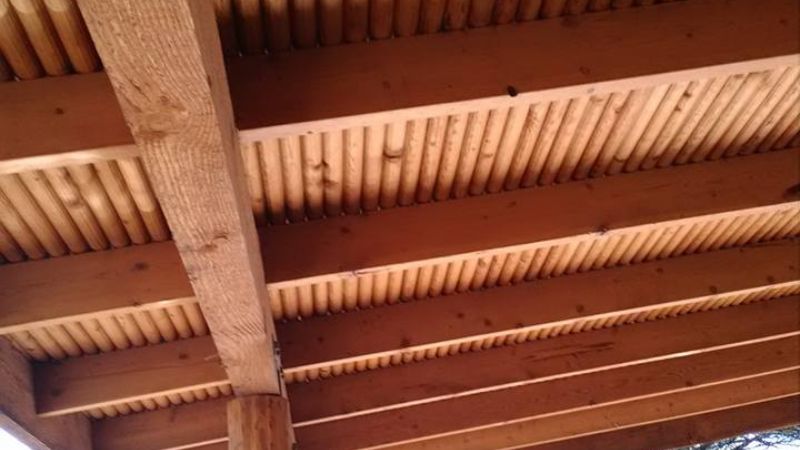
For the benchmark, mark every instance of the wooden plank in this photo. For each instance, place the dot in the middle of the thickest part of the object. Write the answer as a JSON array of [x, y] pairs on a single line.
[[500, 66], [470, 316], [69, 386], [126, 279], [258, 422], [571, 394], [177, 103], [680, 404], [396, 79], [193, 424], [18, 414], [516, 218], [140, 276], [57, 121], [697, 429], [107, 379], [719, 380], [542, 361]]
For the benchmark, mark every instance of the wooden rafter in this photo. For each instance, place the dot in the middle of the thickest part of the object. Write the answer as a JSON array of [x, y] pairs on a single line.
[[702, 382], [677, 404], [695, 429], [177, 104], [679, 41], [152, 276], [18, 412], [96, 381]]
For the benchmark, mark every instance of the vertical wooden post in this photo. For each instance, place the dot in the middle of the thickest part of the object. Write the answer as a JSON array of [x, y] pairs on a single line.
[[258, 422], [165, 63], [18, 412]]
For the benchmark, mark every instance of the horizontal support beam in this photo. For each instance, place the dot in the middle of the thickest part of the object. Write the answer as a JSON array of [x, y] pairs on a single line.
[[696, 429], [520, 309], [426, 232], [100, 380], [499, 66], [186, 426], [543, 360], [676, 405], [18, 412], [402, 78], [151, 275], [538, 400], [107, 379], [758, 372]]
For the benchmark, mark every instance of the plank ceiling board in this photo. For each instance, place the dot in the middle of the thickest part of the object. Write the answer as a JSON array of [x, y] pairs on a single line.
[[49, 38]]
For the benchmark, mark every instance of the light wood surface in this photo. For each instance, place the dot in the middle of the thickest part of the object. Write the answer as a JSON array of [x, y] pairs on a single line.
[[183, 123]]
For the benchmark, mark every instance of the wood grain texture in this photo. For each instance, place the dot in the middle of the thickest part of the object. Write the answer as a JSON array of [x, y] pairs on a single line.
[[695, 429], [572, 394], [18, 413], [197, 423], [107, 379], [676, 405], [542, 361], [664, 391], [176, 102], [399, 74], [658, 38], [102, 380], [533, 215], [259, 423], [468, 316], [142, 276], [55, 290]]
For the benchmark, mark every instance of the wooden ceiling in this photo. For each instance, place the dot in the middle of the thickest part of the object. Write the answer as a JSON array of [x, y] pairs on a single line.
[[571, 224]]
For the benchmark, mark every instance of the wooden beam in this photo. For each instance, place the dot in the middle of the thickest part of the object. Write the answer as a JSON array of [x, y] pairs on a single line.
[[696, 429], [142, 276], [744, 374], [177, 103], [57, 121], [518, 218], [402, 78], [500, 66], [185, 426], [108, 379], [259, 422], [18, 413], [66, 386], [680, 404], [542, 361], [321, 342], [538, 400]]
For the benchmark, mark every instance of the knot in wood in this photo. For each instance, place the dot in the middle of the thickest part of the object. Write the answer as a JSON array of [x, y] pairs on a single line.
[[169, 119]]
